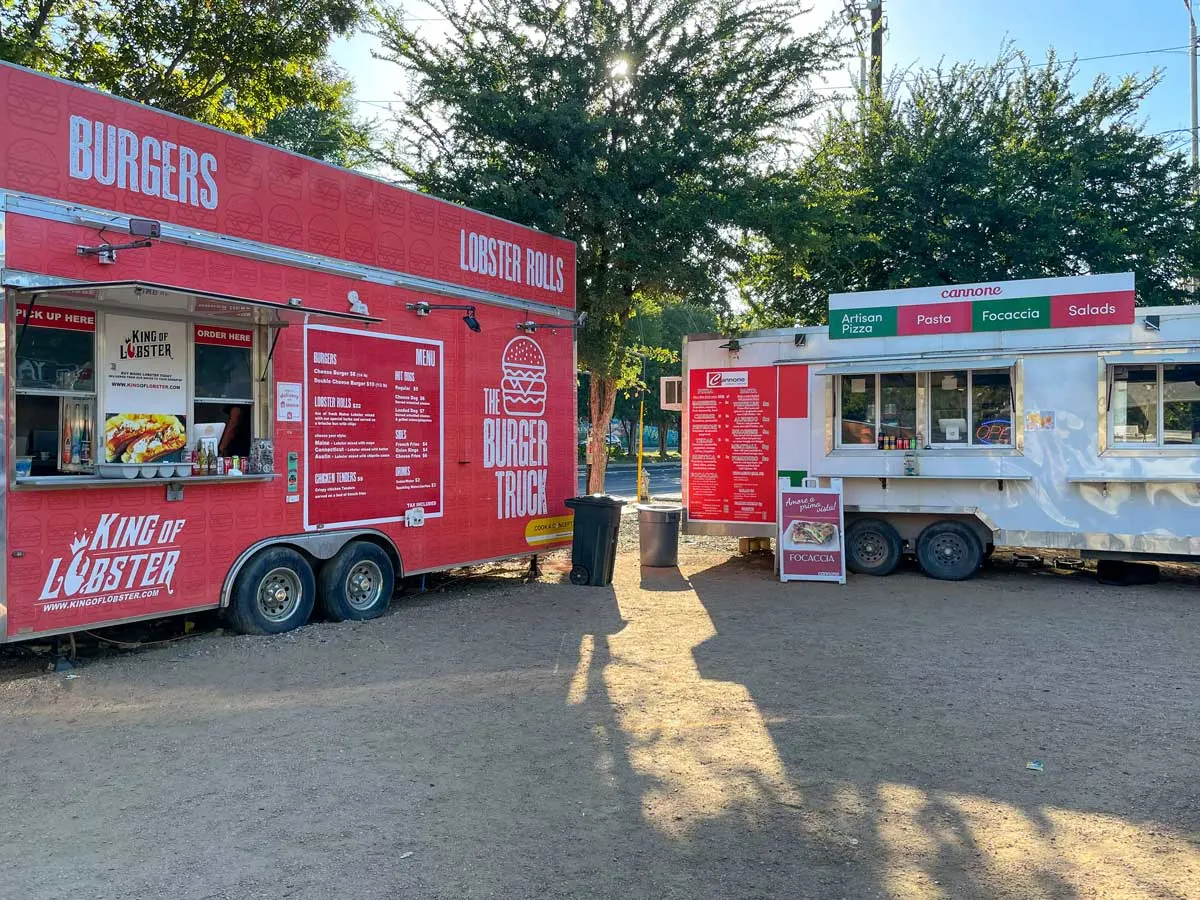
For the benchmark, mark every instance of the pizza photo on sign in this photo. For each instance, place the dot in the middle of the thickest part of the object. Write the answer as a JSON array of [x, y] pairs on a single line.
[[523, 387], [812, 534]]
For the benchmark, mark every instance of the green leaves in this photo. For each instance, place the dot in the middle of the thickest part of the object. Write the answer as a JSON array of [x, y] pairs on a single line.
[[237, 64], [983, 173], [641, 129]]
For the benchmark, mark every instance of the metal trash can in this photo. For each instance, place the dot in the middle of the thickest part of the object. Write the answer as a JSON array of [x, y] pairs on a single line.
[[594, 540], [658, 534]]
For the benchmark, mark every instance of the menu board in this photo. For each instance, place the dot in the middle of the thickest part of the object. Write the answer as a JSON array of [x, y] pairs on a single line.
[[144, 365], [731, 445], [811, 535], [373, 427]]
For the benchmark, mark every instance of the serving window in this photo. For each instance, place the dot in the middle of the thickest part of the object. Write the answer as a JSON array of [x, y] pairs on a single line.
[[949, 408], [54, 375], [1154, 405], [128, 387]]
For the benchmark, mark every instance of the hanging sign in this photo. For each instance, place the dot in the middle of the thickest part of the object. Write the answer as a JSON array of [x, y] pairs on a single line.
[[811, 534], [145, 376], [1037, 303]]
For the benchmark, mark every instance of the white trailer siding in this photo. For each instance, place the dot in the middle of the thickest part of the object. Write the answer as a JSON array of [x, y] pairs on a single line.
[[1061, 487]]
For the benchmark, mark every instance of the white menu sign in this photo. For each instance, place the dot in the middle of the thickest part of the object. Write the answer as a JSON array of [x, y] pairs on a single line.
[[145, 365]]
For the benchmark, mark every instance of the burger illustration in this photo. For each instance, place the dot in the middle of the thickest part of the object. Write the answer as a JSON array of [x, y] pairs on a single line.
[[32, 167], [523, 387], [324, 236], [32, 105], [285, 177], [360, 246], [245, 217], [391, 251], [360, 200], [243, 167], [392, 204], [423, 215], [284, 226], [421, 257], [325, 192]]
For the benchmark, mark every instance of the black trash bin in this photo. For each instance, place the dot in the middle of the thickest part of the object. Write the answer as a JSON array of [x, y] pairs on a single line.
[[594, 545]]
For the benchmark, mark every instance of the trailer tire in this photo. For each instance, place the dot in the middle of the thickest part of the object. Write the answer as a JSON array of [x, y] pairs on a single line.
[[949, 551], [580, 575], [873, 547], [357, 583], [274, 592]]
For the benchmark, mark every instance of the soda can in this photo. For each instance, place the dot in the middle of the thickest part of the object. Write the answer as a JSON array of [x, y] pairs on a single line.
[[220, 465], [235, 462]]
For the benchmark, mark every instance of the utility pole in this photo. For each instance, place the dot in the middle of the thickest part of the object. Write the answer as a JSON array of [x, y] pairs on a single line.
[[876, 8], [1195, 106]]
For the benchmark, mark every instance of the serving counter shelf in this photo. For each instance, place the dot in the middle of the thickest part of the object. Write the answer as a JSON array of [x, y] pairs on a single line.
[[58, 482]]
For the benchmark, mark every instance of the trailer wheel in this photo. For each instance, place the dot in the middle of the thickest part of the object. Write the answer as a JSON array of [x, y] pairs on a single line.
[[580, 575], [949, 551], [357, 583], [273, 593], [872, 547]]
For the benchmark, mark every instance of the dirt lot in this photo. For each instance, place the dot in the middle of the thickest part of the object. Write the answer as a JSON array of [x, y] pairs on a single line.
[[706, 733]]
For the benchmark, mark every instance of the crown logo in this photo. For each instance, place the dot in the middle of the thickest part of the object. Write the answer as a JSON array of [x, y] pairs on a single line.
[[79, 543]]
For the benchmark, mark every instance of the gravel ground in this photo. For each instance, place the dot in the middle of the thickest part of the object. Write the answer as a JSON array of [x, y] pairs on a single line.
[[705, 732]]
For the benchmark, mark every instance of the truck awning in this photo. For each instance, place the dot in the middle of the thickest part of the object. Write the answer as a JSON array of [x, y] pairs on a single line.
[[885, 367], [1152, 358], [151, 297]]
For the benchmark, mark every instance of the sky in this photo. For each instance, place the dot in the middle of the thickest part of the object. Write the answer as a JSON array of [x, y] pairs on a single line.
[[924, 32]]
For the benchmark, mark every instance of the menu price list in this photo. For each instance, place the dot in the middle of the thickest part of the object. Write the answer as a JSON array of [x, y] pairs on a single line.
[[374, 412], [731, 444]]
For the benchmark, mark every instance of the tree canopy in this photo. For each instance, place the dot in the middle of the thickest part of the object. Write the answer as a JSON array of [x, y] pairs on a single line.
[[646, 130], [237, 64], [979, 173]]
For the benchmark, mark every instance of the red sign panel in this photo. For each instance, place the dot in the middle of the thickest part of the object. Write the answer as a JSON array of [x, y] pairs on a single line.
[[1108, 308], [57, 317], [731, 445], [811, 535], [793, 392], [220, 336], [69, 143], [373, 427], [933, 318]]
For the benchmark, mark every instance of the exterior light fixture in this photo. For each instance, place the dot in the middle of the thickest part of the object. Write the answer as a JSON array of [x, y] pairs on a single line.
[[529, 326], [422, 309]]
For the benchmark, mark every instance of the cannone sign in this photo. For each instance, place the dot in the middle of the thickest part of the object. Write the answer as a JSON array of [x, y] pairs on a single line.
[[1001, 306]]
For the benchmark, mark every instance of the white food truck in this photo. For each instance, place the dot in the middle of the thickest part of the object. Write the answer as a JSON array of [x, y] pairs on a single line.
[[1048, 413]]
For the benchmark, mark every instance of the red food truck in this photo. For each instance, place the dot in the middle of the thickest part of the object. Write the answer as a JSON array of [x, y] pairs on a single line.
[[236, 377]]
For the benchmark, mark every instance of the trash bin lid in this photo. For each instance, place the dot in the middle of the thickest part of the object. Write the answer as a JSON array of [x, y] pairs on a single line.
[[594, 500], [659, 512]]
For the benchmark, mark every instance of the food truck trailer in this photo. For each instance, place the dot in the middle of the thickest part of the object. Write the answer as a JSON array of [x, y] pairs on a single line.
[[236, 377], [1050, 413]]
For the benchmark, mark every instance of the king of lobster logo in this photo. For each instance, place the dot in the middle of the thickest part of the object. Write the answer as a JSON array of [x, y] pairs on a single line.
[[122, 558]]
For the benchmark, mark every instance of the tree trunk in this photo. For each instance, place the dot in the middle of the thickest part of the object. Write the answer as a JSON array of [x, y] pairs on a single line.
[[662, 438], [602, 398]]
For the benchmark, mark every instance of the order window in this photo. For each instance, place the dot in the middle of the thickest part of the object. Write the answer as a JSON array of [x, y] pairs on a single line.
[[1154, 405], [971, 408], [870, 406], [224, 388], [962, 408], [55, 382]]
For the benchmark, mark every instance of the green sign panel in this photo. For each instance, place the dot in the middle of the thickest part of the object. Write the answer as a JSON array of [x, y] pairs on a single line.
[[1010, 315], [879, 321]]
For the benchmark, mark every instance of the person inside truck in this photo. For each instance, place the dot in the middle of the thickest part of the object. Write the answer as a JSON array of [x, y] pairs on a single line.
[[235, 439]]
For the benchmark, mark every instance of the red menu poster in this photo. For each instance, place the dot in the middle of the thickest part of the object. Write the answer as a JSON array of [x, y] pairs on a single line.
[[811, 544], [373, 426], [731, 445]]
